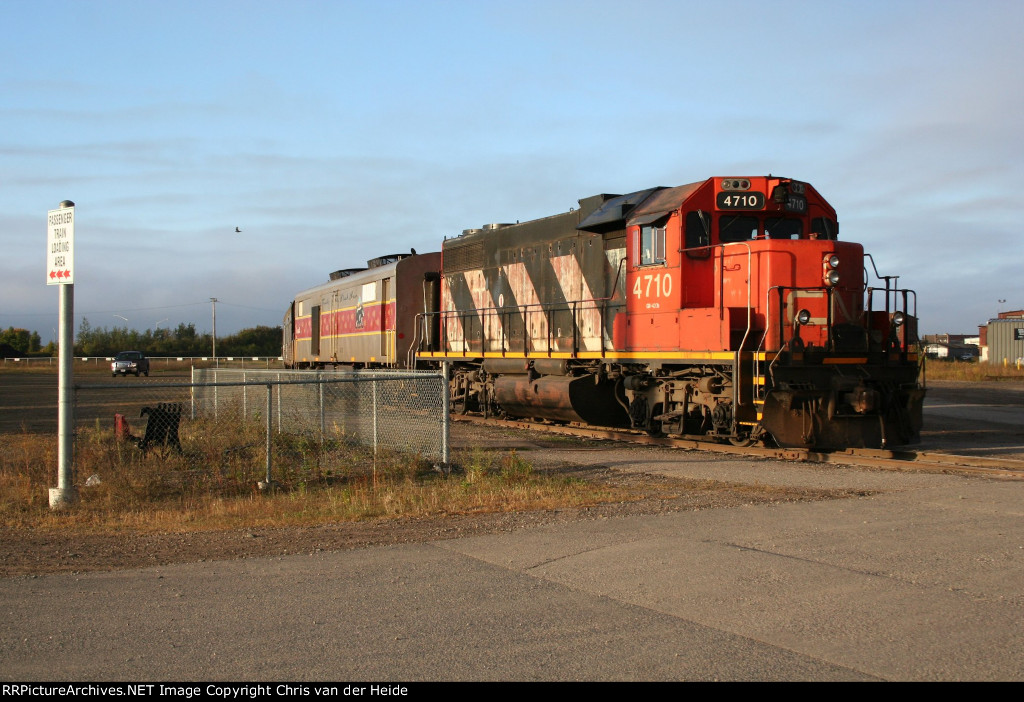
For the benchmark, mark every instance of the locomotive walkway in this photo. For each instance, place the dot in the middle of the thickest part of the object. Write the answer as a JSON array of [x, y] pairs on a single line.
[[919, 578]]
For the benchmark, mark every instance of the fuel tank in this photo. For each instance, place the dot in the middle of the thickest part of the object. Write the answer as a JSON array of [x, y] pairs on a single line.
[[588, 399]]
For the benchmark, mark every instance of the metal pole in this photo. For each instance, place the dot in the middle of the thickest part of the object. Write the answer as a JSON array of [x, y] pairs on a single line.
[[65, 492]]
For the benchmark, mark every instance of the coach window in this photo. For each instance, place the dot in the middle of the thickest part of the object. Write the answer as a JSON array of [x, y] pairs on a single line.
[[783, 228], [733, 228]]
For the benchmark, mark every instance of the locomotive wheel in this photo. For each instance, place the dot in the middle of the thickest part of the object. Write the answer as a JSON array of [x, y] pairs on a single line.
[[654, 429], [750, 439]]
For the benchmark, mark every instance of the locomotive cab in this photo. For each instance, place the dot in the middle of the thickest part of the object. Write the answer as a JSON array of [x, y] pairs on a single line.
[[749, 271]]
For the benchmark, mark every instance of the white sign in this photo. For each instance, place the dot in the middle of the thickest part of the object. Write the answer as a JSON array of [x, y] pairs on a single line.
[[60, 246]]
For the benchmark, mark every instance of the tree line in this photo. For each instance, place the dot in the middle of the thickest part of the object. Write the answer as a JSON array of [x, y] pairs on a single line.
[[19, 342], [182, 341]]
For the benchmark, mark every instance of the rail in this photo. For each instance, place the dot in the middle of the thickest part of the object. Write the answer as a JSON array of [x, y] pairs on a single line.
[[881, 459]]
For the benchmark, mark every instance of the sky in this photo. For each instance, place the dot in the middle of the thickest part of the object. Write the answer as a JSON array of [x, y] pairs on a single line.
[[332, 132]]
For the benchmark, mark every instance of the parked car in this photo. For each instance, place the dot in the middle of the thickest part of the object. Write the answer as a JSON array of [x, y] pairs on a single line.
[[130, 362]]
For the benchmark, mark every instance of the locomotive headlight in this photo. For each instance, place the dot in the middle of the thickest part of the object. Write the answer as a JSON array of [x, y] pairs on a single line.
[[832, 261], [832, 277], [898, 318], [803, 317]]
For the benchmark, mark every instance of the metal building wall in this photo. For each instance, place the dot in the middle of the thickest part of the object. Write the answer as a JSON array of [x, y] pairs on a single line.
[[1005, 340]]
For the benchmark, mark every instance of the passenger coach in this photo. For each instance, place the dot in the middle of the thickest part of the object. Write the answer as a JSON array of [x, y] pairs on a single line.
[[362, 317]]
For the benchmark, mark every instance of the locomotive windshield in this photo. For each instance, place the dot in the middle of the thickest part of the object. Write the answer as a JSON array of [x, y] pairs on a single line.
[[733, 228], [783, 228]]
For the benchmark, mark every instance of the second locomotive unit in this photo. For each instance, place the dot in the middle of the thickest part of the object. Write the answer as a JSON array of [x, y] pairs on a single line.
[[723, 309]]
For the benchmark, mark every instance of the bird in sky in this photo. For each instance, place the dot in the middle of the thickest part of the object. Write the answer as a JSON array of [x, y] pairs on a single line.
[[238, 230]]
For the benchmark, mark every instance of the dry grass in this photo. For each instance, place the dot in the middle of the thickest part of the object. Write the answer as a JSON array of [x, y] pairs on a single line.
[[972, 372], [315, 483]]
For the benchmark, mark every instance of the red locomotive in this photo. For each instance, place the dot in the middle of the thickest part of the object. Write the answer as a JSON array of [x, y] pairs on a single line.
[[725, 308]]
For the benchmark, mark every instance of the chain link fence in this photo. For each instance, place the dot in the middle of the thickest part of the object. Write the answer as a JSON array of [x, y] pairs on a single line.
[[397, 411], [266, 422]]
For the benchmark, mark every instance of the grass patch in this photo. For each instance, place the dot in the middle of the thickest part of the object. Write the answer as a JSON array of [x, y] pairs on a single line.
[[972, 372], [212, 483]]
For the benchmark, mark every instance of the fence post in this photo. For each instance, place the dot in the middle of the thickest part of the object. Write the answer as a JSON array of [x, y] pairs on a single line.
[[269, 408], [320, 388], [373, 388], [268, 483], [445, 419]]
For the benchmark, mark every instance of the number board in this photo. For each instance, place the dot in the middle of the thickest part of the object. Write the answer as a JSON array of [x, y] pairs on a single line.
[[740, 201], [795, 203]]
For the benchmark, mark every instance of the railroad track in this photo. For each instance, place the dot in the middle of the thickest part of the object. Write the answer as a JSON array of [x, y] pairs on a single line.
[[922, 461]]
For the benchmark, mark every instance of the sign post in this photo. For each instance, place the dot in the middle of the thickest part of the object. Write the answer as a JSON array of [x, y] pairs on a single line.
[[60, 271]]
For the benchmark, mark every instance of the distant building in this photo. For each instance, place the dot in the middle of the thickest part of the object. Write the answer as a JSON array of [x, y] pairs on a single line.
[[1002, 339], [951, 347]]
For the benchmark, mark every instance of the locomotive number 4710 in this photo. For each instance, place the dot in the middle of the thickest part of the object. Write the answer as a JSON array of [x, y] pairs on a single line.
[[653, 285]]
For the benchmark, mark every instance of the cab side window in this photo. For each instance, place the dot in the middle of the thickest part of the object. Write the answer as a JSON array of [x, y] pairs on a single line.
[[652, 245], [824, 228], [698, 234]]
